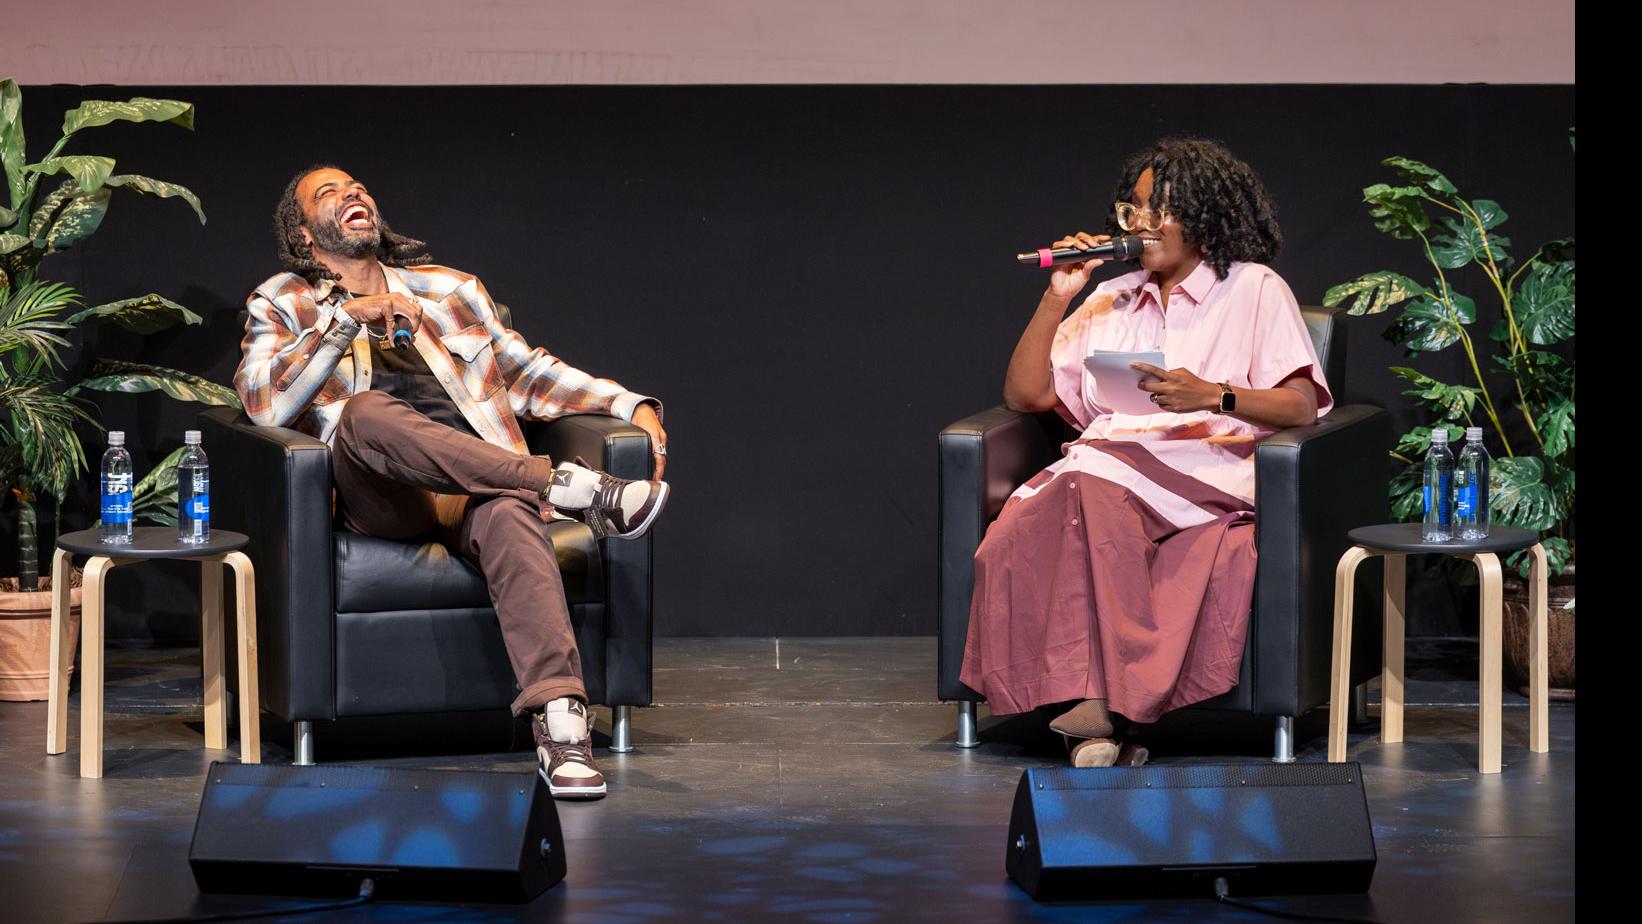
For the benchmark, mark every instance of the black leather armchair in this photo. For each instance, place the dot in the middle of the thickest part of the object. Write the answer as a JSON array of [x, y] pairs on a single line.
[[1312, 485], [350, 625]]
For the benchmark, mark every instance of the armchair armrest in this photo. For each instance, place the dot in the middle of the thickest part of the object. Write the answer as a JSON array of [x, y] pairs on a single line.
[[1313, 485], [983, 459], [274, 485]]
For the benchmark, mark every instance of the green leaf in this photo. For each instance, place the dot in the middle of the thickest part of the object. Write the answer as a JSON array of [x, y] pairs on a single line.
[[116, 375], [1397, 210], [1374, 292], [1537, 368], [1464, 243], [155, 496], [1558, 553], [49, 205], [159, 188], [1490, 212], [78, 220], [1544, 303], [1450, 400], [147, 314], [94, 112], [1518, 493], [89, 170], [1416, 172], [7, 217], [1556, 428], [1408, 494], [1427, 325], [29, 322], [11, 140], [11, 242]]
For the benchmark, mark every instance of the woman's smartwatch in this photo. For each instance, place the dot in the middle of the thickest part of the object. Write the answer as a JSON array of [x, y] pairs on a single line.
[[1228, 399]]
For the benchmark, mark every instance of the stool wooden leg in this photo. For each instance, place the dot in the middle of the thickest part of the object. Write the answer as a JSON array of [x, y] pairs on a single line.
[[1391, 675], [62, 654], [1339, 701], [91, 667], [1539, 666], [250, 711], [1488, 687], [211, 631]]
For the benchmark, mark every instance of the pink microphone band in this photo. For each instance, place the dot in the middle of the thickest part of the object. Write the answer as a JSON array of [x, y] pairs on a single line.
[[1046, 257]]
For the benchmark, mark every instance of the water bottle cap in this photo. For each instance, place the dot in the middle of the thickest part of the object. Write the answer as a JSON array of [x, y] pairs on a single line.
[[1440, 436], [1473, 434], [116, 437], [191, 437]]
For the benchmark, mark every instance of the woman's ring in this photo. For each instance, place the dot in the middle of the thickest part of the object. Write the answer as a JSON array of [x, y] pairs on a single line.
[[660, 450]]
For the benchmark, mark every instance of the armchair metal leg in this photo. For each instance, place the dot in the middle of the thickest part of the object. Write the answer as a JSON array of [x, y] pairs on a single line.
[[968, 735], [303, 747], [1359, 704], [621, 729], [1283, 750]]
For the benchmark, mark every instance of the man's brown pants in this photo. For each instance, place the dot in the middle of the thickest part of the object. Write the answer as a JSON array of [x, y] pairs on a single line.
[[402, 476]]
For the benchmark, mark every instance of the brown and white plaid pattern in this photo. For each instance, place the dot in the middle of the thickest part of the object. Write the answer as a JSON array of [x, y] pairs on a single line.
[[304, 357]]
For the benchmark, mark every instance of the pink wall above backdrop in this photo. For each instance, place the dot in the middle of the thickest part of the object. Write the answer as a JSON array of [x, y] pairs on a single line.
[[441, 42]]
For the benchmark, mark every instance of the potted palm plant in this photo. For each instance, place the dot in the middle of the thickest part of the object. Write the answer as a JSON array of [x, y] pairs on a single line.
[[1529, 424], [41, 453]]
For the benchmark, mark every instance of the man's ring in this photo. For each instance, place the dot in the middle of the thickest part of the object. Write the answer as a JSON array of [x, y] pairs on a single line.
[[660, 450], [1156, 401]]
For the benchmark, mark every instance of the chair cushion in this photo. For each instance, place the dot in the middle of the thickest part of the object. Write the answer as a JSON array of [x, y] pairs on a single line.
[[380, 575]]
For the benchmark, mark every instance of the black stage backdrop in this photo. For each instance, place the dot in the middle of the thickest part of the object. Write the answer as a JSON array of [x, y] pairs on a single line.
[[813, 279]]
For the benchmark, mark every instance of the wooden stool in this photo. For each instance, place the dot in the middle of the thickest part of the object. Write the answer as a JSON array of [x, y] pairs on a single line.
[[1396, 541], [150, 542]]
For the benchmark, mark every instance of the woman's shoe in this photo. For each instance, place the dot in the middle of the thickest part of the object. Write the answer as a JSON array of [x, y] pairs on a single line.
[[1094, 752]]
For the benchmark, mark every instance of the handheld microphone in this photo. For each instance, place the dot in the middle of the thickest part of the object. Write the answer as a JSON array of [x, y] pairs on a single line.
[[403, 333], [1126, 248]]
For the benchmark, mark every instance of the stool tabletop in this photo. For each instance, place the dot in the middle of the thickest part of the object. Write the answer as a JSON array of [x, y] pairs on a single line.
[[152, 542], [1405, 537]]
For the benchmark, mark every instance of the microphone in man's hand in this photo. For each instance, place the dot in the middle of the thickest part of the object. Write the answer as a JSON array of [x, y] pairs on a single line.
[[1126, 248], [402, 333]]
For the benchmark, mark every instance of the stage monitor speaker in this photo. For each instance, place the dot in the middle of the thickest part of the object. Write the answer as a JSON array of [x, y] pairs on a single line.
[[1171, 831], [421, 834]]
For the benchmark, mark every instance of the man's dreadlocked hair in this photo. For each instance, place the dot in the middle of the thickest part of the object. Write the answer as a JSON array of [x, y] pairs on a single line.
[[298, 255], [1217, 198]]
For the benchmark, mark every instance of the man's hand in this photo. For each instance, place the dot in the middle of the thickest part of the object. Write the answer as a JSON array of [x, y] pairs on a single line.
[[380, 310], [1178, 390], [644, 417]]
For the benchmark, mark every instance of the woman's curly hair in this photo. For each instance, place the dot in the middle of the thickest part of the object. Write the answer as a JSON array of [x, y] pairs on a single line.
[[297, 255], [1219, 201]]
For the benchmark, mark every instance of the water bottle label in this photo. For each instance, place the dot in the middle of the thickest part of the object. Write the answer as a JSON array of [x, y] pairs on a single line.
[[1465, 502], [116, 499], [199, 507]]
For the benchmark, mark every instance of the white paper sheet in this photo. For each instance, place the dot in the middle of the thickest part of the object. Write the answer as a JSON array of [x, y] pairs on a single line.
[[1116, 385]]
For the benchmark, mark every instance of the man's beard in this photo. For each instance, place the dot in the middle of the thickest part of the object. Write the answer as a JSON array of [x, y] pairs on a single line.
[[330, 236]]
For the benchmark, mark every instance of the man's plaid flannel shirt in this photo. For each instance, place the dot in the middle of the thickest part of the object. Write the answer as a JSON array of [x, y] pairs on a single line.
[[304, 357]]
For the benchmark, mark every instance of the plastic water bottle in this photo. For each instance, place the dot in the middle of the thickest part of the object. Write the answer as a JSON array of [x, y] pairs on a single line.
[[193, 491], [1471, 488], [1438, 525], [116, 484]]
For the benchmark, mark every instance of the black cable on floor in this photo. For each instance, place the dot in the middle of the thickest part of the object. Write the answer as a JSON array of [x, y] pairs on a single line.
[[1222, 894], [367, 891]]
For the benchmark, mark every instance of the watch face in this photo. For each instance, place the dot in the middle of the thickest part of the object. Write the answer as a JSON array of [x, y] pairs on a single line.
[[1228, 401]]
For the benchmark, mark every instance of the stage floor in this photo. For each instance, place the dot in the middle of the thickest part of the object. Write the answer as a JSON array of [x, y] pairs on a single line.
[[805, 780]]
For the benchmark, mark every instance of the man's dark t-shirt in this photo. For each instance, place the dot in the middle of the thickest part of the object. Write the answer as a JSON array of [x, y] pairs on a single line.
[[404, 374]]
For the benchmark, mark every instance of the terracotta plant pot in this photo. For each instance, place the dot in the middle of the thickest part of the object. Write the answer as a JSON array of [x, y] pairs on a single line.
[[25, 638], [1559, 632]]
